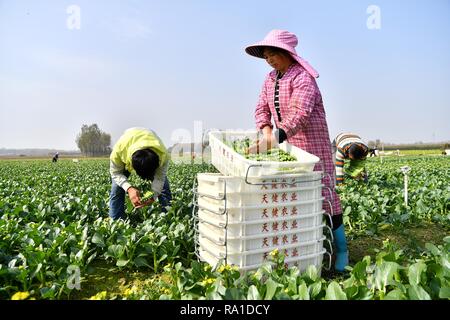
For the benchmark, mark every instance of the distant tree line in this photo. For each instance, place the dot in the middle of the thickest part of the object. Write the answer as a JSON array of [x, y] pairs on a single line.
[[93, 142], [408, 146]]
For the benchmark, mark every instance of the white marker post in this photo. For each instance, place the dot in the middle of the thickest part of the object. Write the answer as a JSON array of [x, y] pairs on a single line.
[[405, 170]]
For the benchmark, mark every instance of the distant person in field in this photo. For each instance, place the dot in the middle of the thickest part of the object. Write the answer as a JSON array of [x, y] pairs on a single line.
[[349, 146], [291, 99], [142, 151], [55, 157], [373, 152]]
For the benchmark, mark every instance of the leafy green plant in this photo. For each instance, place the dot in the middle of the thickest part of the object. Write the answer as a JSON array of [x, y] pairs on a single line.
[[55, 217]]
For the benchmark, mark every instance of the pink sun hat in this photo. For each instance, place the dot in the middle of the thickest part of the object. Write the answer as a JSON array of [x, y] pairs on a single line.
[[284, 40]]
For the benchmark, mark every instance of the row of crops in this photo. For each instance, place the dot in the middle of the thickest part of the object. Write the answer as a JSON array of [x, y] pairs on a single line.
[[54, 226]]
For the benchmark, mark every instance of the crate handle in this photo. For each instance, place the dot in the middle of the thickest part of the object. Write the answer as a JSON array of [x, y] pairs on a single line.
[[219, 257], [331, 245], [196, 233], [219, 225], [271, 183], [326, 174], [194, 198], [203, 195], [331, 192], [329, 261], [221, 244], [219, 213], [329, 217], [331, 233], [331, 207], [196, 229]]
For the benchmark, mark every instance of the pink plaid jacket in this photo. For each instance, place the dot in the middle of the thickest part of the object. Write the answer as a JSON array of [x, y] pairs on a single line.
[[303, 120]]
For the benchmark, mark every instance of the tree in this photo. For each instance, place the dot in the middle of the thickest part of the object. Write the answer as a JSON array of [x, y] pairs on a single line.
[[92, 141]]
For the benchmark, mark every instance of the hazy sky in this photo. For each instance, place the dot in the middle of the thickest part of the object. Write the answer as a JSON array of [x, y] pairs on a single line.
[[180, 66]]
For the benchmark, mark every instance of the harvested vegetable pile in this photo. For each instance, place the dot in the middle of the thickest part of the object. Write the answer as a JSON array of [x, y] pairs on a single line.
[[274, 154]]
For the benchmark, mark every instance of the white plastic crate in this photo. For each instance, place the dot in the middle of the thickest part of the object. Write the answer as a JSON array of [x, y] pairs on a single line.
[[302, 263], [306, 261], [302, 255], [216, 189], [282, 197], [220, 238], [216, 184], [257, 212], [229, 162], [258, 227]]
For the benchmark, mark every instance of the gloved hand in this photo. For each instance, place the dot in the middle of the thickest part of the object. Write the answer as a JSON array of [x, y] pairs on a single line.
[[280, 135]]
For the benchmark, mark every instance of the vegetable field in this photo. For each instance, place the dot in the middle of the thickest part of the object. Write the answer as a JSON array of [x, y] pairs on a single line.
[[57, 242]]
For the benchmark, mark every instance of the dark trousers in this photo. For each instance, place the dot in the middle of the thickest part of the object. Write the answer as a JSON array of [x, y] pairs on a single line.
[[337, 221]]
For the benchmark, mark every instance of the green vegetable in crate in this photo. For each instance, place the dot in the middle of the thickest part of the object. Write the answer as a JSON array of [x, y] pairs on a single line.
[[274, 154], [241, 145]]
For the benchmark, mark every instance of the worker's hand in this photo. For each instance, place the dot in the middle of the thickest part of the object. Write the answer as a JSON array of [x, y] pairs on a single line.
[[134, 196], [145, 203], [361, 177], [265, 143], [261, 146]]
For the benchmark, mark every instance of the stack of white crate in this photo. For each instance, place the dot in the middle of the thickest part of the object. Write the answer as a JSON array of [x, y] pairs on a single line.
[[252, 208]]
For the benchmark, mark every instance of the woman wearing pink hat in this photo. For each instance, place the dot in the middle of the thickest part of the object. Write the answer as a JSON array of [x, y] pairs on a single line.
[[290, 94]]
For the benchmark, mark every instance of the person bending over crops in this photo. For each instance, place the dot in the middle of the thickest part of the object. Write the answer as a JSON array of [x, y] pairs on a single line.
[[142, 151], [290, 94], [350, 146]]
